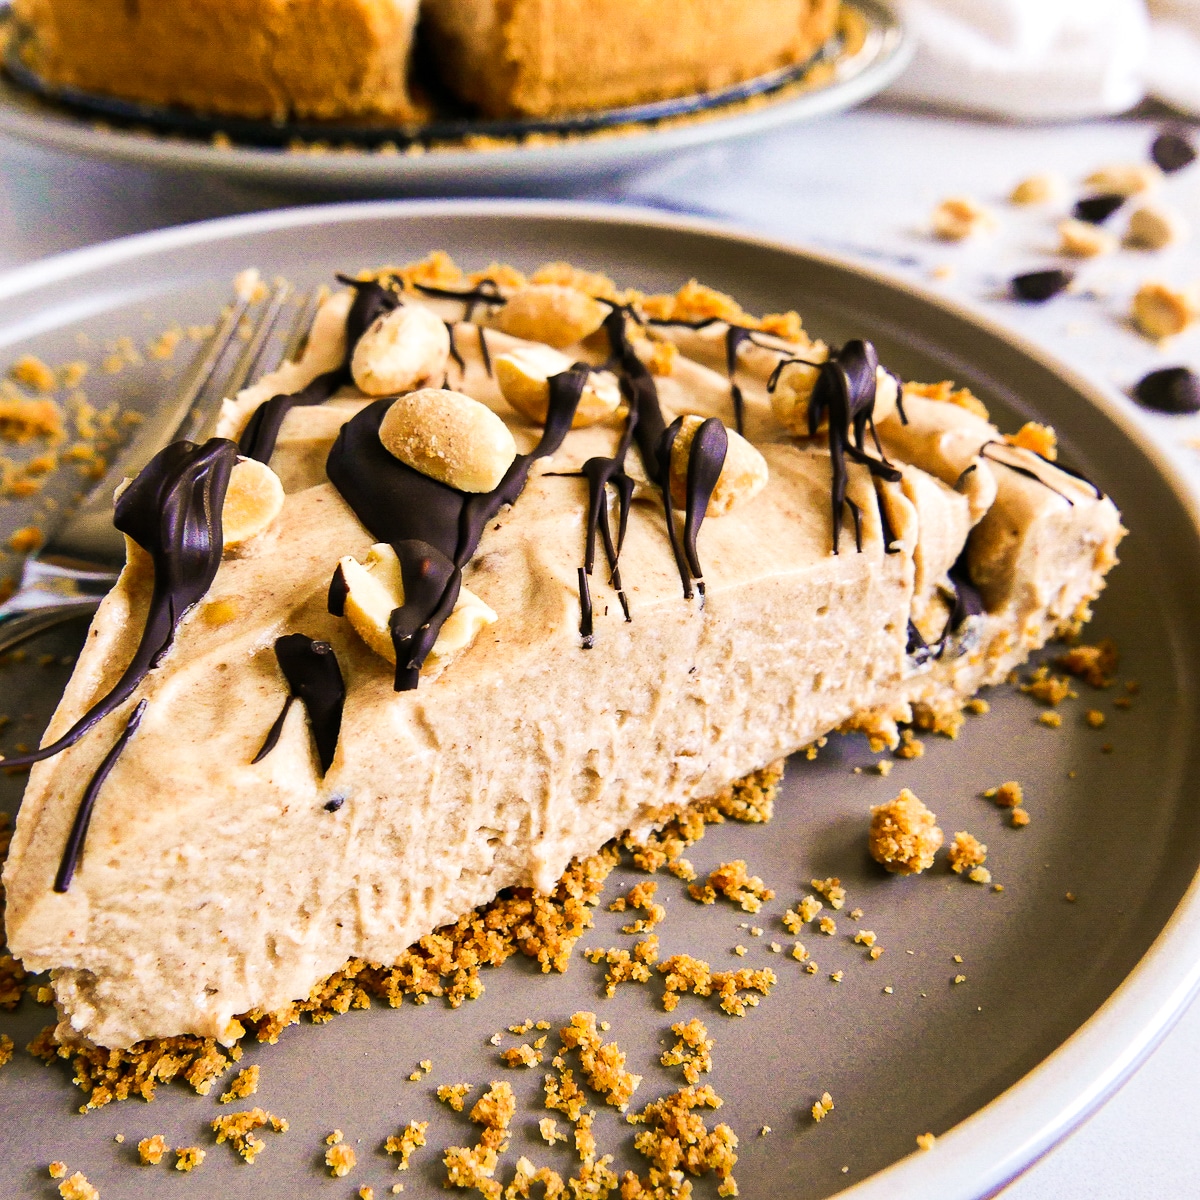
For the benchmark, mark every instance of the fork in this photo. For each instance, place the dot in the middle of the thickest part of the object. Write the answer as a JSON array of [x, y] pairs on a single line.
[[78, 565]]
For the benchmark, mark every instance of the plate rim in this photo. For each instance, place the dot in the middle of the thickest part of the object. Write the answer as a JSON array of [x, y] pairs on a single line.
[[995, 1144], [592, 155]]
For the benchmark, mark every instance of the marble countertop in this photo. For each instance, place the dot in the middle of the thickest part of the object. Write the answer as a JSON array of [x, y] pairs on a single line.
[[862, 184]]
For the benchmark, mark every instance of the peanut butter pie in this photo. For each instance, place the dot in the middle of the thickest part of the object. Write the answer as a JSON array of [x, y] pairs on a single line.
[[356, 59], [499, 570]]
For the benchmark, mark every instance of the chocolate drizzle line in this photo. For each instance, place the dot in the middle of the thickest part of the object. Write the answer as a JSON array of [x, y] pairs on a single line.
[[1025, 471], [844, 393], [314, 678], [485, 292], [173, 511], [736, 336], [433, 528], [706, 457], [83, 814], [586, 632], [275, 732], [371, 301], [968, 603]]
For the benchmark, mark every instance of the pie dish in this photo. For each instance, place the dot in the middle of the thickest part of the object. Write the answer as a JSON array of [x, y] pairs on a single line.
[[1034, 962]]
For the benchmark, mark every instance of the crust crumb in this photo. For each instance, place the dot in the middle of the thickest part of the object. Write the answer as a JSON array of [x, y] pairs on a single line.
[[246, 1084], [151, 1150], [641, 896], [966, 851], [238, 1129], [412, 1137], [692, 1051], [188, 1158], [78, 1188], [731, 881], [1007, 795], [822, 1107], [904, 836], [453, 1094], [676, 1137]]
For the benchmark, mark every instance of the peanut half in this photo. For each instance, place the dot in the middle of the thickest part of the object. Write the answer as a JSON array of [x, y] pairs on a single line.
[[404, 349], [253, 500], [551, 313], [1161, 312], [1125, 179], [374, 588], [449, 437], [524, 376], [742, 477]]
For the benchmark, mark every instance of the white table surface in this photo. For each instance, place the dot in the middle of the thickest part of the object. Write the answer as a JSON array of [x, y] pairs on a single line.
[[862, 184]]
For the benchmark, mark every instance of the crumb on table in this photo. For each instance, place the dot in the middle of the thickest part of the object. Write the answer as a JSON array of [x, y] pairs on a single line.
[[904, 836], [151, 1150], [412, 1137], [966, 851], [188, 1158]]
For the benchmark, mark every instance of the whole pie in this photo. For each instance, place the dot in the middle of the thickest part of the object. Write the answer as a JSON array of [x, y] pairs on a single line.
[[321, 59], [499, 570]]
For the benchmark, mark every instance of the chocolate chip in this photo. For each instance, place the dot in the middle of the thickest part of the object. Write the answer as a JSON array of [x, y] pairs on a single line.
[[1170, 390], [1172, 152], [1097, 209], [1039, 286], [334, 804]]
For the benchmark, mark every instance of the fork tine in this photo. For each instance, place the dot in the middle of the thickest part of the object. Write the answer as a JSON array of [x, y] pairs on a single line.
[[305, 315], [248, 361]]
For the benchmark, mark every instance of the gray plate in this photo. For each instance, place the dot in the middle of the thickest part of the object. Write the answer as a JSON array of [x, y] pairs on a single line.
[[1061, 1000], [885, 52]]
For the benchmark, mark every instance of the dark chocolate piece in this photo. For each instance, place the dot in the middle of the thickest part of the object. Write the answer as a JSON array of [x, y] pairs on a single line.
[[1169, 390], [335, 804], [313, 677], [1172, 151], [83, 814], [399, 505], [275, 732], [1095, 210], [917, 648], [1039, 286], [173, 511]]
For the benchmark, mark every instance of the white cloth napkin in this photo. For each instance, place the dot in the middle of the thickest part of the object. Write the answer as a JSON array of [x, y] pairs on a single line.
[[1052, 59]]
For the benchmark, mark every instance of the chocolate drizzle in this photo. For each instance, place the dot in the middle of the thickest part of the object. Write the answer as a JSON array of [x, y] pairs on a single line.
[[371, 301], [1030, 474], [706, 457], [968, 603], [433, 528], [586, 630], [844, 395], [83, 814], [173, 511], [736, 336], [314, 678], [485, 292]]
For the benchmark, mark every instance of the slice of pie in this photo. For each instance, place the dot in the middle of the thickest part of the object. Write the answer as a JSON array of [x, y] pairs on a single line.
[[534, 564]]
